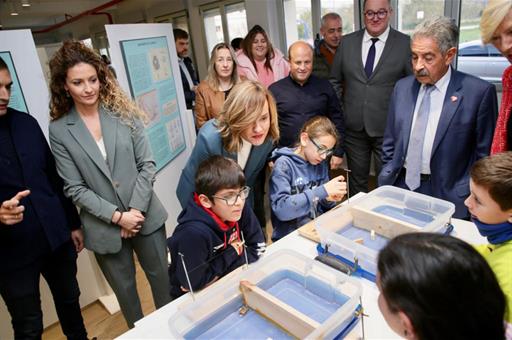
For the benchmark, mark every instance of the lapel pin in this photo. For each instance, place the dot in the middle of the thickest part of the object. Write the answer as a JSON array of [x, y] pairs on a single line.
[[453, 98]]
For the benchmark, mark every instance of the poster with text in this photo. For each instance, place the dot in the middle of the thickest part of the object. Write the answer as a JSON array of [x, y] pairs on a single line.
[[148, 66], [17, 100]]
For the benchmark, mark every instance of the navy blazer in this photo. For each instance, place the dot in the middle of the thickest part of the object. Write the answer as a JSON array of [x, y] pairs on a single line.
[[190, 95], [464, 134], [49, 211], [209, 143]]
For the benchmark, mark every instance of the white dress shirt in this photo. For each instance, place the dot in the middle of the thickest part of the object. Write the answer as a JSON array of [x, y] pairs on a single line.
[[101, 146], [436, 106], [185, 70], [379, 46]]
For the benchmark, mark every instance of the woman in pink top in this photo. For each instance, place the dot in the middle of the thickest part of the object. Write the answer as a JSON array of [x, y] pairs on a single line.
[[258, 60]]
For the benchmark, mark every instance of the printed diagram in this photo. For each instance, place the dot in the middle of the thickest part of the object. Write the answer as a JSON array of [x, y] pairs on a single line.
[[176, 140], [160, 65], [148, 102], [170, 107]]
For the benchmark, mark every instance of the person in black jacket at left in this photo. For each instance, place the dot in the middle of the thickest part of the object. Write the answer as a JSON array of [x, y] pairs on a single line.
[[39, 228], [189, 77], [213, 227]]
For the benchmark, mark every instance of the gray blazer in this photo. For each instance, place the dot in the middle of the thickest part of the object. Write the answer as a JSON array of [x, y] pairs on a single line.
[[365, 100], [100, 187]]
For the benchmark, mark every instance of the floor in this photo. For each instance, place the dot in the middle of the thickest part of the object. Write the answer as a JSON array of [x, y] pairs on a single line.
[[99, 323]]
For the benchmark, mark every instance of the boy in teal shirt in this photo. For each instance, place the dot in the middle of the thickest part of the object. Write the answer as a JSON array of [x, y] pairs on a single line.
[[490, 205]]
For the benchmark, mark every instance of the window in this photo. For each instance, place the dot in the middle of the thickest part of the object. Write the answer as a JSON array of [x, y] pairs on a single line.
[[213, 27], [471, 11], [411, 12], [297, 18], [237, 21], [483, 61], [345, 8], [223, 21]]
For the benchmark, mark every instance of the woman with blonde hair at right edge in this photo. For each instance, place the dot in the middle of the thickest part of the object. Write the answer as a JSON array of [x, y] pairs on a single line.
[[496, 28]]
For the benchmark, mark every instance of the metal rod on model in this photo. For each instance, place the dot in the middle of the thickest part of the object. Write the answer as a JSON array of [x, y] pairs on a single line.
[[245, 249], [347, 171], [186, 274]]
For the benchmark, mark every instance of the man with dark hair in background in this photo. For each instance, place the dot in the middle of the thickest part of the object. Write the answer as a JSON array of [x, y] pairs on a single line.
[[39, 228], [189, 77]]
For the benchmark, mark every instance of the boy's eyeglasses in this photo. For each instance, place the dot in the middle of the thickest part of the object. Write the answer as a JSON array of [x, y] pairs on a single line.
[[231, 199], [322, 150], [381, 14]]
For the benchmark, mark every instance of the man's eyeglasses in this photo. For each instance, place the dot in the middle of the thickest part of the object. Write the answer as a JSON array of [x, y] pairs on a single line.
[[231, 199], [322, 150], [381, 14]]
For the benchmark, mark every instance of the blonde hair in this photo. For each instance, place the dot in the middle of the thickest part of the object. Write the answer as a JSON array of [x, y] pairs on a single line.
[[213, 78], [111, 96], [241, 109], [492, 16]]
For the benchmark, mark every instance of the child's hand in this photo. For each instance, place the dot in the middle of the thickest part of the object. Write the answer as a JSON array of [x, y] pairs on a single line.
[[334, 198], [238, 246], [336, 188]]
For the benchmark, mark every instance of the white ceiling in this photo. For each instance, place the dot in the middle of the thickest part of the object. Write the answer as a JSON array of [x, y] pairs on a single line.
[[44, 13]]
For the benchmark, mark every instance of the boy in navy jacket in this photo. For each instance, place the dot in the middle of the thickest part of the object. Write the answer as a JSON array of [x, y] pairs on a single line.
[[212, 228]]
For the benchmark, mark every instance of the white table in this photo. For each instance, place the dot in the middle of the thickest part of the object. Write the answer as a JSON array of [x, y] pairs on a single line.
[[155, 325]]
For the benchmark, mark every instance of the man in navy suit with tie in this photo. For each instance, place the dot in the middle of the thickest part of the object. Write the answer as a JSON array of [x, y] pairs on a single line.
[[440, 120], [39, 228]]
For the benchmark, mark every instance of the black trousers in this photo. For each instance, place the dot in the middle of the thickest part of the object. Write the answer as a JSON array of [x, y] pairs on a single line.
[[359, 148], [20, 291]]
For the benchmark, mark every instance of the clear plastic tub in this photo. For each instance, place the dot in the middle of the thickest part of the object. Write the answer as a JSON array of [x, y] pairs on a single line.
[[388, 211], [325, 295]]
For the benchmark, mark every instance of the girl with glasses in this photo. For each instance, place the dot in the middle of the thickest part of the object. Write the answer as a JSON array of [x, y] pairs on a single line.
[[300, 188]]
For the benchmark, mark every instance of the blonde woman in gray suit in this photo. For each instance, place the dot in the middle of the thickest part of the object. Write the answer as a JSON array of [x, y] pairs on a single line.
[[97, 137]]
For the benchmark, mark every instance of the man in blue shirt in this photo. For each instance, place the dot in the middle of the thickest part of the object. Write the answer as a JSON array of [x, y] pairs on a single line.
[[301, 96]]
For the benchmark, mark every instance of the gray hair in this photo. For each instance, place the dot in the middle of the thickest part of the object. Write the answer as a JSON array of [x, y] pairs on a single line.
[[442, 29], [329, 16]]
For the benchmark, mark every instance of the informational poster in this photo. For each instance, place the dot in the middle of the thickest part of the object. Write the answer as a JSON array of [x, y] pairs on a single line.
[[150, 77], [17, 100]]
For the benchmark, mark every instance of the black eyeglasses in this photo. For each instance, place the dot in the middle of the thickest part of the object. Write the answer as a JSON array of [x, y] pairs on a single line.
[[322, 150], [381, 14], [232, 198]]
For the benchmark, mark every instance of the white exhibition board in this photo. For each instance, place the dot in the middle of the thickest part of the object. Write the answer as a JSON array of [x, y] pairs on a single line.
[[167, 177], [23, 52]]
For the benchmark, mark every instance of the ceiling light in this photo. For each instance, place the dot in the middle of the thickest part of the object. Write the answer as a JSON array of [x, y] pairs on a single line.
[[25, 3], [13, 9]]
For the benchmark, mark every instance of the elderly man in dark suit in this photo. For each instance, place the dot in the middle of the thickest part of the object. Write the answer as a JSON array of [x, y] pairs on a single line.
[[367, 65], [440, 120], [39, 228]]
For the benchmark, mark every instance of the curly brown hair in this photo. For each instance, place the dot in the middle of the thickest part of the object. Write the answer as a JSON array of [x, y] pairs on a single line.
[[111, 96]]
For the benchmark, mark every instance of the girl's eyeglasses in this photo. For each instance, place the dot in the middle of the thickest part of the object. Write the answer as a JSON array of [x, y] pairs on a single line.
[[322, 150]]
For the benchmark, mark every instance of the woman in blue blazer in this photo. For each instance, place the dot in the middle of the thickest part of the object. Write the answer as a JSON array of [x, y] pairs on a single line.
[[102, 154], [244, 131]]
